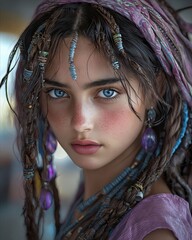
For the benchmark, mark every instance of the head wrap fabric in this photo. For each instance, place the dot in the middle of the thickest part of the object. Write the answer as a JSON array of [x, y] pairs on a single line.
[[159, 28]]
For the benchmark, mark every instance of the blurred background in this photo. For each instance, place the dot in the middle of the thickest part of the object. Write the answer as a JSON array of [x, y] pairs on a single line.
[[14, 16]]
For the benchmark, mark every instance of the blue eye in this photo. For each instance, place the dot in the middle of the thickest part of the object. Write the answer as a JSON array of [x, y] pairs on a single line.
[[107, 93], [57, 93]]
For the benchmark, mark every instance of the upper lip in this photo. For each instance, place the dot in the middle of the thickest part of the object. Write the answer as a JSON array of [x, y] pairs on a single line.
[[85, 142]]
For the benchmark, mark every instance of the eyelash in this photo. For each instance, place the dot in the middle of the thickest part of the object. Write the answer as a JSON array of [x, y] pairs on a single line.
[[65, 95], [109, 90], [48, 91]]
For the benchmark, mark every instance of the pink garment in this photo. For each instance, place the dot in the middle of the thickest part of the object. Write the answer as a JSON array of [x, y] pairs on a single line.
[[158, 211]]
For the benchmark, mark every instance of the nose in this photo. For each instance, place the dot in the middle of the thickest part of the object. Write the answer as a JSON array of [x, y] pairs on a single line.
[[82, 118]]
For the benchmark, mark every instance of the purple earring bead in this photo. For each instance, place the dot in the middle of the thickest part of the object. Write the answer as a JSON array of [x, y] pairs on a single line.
[[51, 172], [51, 143], [46, 199], [149, 140]]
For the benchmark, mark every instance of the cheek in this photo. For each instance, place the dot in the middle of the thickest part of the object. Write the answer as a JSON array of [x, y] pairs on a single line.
[[57, 120], [118, 121], [122, 120]]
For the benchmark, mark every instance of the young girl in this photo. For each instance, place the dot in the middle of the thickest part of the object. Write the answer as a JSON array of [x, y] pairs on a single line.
[[111, 82]]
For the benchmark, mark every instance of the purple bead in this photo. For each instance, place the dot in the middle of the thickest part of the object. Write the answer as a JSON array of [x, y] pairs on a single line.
[[46, 199], [149, 140], [51, 172], [51, 143]]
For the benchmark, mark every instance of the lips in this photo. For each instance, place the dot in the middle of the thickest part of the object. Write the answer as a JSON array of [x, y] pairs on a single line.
[[85, 147]]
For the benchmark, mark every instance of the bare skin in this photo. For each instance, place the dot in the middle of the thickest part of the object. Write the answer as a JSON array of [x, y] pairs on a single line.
[[160, 234]]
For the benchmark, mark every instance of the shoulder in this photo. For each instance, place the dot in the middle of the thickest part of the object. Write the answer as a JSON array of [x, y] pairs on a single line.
[[160, 234], [158, 214]]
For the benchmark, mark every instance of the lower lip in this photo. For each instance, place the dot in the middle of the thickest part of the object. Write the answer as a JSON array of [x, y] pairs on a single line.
[[85, 149]]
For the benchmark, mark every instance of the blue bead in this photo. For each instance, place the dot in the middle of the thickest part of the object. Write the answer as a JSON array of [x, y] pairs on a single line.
[[73, 71], [27, 74]]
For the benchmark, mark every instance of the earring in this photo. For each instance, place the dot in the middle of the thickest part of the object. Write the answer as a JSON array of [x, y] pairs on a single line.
[[149, 138], [46, 196]]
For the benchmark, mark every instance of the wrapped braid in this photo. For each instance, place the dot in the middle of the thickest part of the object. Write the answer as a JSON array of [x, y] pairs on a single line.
[[52, 185], [31, 113], [113, 26], [172, 130], [56, 204], [179, 171], [29, 154]]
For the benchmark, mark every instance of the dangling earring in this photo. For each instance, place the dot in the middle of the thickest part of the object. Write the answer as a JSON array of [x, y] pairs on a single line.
[[149, 138], [49, 173]]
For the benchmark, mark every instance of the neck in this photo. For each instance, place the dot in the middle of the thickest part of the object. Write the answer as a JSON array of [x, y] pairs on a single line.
[[95, 180]]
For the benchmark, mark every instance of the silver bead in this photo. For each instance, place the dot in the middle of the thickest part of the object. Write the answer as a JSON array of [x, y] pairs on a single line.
[[139, 196]]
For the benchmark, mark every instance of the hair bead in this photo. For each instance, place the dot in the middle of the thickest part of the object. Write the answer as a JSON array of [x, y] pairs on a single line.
[[28, 173], [139, 187], [115, 65], [73, 46], [46, 198], [27, 74], [118, 41], [42, 59]]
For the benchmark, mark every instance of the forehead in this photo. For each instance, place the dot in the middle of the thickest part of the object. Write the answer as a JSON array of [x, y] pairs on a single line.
[[88, 59]]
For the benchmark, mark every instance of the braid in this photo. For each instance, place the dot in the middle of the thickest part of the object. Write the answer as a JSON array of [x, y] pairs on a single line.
[[56, 205], [52, 184], [179, 170], [108, 17], [172, 129], [29, 156], [32, 86], [30, 114], [114, 28]]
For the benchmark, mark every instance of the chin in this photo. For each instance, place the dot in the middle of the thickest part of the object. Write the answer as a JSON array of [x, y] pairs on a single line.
[[87, 164]]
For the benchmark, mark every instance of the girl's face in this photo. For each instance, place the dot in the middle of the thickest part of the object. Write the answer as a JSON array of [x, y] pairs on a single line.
[[91, 117]]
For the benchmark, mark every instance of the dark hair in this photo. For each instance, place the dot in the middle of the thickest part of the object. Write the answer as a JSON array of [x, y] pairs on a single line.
[[98, 24]]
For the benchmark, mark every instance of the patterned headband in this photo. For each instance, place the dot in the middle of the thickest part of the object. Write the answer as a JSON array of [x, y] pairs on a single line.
[[159, 28]]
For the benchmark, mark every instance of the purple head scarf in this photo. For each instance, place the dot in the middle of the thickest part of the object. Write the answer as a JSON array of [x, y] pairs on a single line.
[[159, 28]]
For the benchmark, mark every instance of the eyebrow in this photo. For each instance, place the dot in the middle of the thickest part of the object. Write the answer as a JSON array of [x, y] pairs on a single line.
[[97, 83]]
